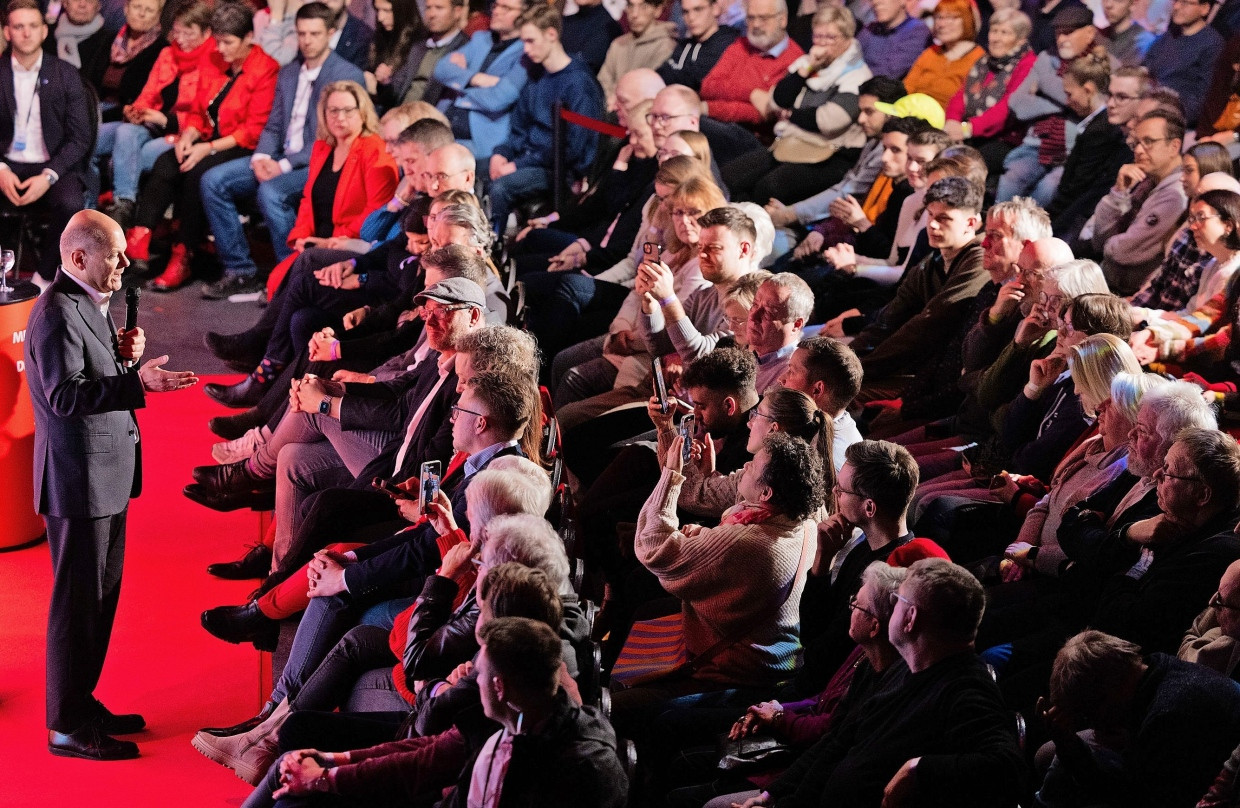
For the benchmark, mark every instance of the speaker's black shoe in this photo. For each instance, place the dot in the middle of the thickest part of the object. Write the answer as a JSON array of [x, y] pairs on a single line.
[[90, 743]]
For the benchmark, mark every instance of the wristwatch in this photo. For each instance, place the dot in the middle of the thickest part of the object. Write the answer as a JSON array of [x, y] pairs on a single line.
[[325, 406]]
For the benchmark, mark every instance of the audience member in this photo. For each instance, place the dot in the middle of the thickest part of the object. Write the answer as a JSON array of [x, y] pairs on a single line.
[[818, 137], [589, 32], [280, 165], [738, 88], [45, 150], [940, 70], [1134, 221], [1183, 56], [934, 293], [828, 371], [1213, 640], [699, 50], [443, 20], [911, 736], [893, 41], [1126, 39], [777, 319], [482, 80], [521, 167], [648, 44], [397, 24], [977, 113], [1178, 722], [83, 39]]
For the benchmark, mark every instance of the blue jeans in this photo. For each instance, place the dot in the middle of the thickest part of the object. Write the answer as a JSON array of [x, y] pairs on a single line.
[[133, 152], [1023, 175], [223, 185], [516, 187]]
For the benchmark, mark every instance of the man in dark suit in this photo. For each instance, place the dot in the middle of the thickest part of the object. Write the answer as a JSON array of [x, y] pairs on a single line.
[[350, 36], [86, 468], [47, 128], [277, 172]]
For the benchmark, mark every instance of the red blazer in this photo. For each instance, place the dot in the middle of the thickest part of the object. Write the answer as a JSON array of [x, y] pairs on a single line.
[[367, 181], [187, 67], [244, 111]]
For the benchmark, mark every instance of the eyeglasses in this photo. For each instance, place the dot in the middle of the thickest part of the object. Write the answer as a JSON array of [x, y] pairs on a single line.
[[1051, 302], [1031, 274], [857, 607], [339, 112], [1165, 472], [896, 596], [827, 39], [653, 119], [841, 489], [1216, 602], [1146, 143], [755, 414], [1200, 218], [443, 312], [737, 322], [457, 410], [440, 178]]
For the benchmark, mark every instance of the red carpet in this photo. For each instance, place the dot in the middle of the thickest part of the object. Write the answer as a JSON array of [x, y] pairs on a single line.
[[161, 663]]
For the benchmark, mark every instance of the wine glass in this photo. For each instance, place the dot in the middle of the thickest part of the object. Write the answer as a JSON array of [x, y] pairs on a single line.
[[7, 260]]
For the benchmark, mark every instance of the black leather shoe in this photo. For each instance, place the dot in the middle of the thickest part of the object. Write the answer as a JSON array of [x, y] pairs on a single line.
[[244, 348], [123, 724], [231, 427], [254, 564], [231, 501], [238, 624], [90, 743], [240, 396], [244, 726], [229, 478]]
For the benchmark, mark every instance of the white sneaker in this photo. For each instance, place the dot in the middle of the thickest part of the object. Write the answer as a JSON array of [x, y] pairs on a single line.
[[243, 448]]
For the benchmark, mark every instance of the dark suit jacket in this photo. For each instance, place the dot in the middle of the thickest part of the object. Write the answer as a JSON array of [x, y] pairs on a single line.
[[354, 44], [405, 559], [391, 406], [393, 94], [275, 133], [86, 460], [69, 121]]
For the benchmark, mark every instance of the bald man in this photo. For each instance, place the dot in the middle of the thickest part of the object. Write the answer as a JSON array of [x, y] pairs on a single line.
[[450, 168], [85, 386], [633, 88]]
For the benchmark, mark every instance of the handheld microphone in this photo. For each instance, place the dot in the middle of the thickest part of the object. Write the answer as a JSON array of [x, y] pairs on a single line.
[[131, 312]]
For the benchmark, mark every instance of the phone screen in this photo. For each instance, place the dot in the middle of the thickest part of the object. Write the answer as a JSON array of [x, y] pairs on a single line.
[[660, 386], [428, 483], [686, 432]]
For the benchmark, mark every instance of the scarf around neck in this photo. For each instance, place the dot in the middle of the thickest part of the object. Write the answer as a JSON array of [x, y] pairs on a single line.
[[988, 81], [124, 48], [69, 35]]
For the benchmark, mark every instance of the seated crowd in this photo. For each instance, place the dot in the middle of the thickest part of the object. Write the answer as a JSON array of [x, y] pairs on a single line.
[[739, 405]]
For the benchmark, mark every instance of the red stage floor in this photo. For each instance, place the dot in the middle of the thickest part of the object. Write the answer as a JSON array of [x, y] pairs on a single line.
[[161, 662]]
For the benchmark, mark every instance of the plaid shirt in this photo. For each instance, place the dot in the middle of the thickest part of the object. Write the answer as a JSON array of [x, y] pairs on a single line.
[[1175, 282]]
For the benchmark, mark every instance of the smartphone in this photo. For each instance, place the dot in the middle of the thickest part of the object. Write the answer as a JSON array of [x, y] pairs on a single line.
[[388, 488], [652, 252], [686, 431], [552, 438], [660, 385], [428, 484]]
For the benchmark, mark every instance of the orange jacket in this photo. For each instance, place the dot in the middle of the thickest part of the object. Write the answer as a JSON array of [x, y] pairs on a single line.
[[244, 111], [367, 181]]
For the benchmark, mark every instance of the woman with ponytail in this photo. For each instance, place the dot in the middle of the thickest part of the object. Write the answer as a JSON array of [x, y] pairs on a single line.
[[708, 493]]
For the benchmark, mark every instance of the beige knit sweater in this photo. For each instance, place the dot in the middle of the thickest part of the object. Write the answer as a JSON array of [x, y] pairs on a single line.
[[727, 578]]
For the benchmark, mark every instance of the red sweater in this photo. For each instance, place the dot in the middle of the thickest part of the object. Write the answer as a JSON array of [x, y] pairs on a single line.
[[367, 182], [742, 69], [244, 111], [186, 67]]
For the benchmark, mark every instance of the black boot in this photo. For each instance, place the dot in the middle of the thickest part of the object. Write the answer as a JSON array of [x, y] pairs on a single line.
[[254, 564], [244, 726], [245, 348], [238, 624], [250, 391]]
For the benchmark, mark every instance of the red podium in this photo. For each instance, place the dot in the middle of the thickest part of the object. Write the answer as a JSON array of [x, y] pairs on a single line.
[[20, 524]]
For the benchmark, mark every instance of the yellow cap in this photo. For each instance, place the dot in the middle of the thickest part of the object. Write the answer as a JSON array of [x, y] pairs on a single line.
[[917, 105]]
